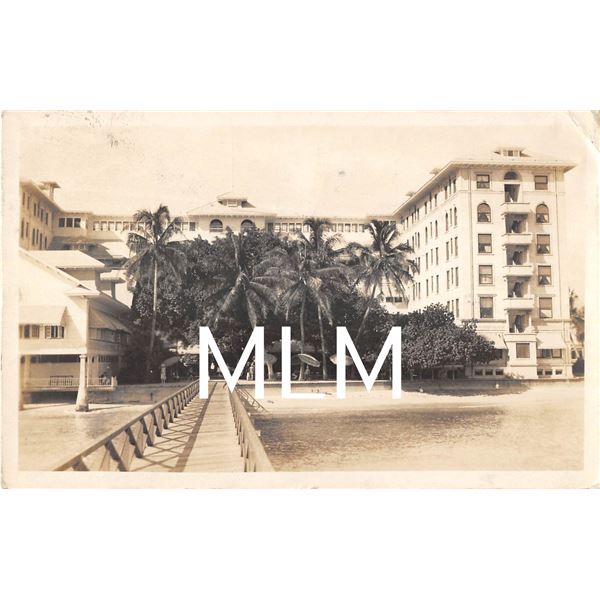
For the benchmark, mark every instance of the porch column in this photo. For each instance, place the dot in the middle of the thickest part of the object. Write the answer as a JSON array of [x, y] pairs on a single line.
[[82, 396]]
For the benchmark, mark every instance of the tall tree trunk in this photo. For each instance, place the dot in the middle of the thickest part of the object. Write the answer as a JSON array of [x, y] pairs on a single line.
[[301, 374], [362, 327], [153, 326], [322, 333], [366, 314]]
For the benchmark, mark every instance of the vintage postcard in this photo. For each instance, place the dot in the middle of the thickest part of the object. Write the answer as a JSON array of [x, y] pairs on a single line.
[[300, 299]]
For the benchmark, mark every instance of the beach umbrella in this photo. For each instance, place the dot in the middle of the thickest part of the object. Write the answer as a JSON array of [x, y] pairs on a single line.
[[309, 360], [270, 359], [333, 359]]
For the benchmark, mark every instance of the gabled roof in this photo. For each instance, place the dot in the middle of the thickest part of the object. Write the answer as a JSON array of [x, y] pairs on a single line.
[[68, 259], [79, 288], [216, 209]]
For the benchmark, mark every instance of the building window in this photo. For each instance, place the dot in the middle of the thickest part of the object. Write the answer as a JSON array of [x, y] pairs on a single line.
[[456, 276], [484, 243], [456, 246], [247, 224], [29, 331], [544, 275], [61, 222], [522, 350], [542, 214], [545, 308], [216, 225], [447, 280], [192, 225], [483, 181], [54, 332], [455, 217], [457, 312], [437, 284], [436, 229], [484, 213], [549, 353], [447, 251], [543, 244], [46, 218], [541, 182], [446, 221], [486, 307], [22, 228], [77, 222]]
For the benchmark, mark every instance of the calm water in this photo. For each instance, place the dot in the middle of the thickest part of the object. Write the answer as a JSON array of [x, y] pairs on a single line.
[[530, 431]]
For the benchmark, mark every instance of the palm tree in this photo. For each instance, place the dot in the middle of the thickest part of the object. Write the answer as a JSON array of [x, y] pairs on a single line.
[[234, 283], [303, 281], [324, 252], [155, 253], [382, 263], [577, 317]]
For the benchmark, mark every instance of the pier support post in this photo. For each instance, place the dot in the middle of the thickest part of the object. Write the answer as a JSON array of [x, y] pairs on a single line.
[[81, 405]]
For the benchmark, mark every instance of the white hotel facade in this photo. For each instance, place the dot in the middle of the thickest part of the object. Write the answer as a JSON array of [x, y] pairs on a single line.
[[484, 233]]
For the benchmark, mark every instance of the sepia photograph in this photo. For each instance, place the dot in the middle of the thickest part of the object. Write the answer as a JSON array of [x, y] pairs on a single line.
[[293, 299]]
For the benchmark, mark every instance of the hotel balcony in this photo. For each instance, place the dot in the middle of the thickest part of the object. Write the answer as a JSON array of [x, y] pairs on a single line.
[[517, 239], [517, 270], [515, 208], [516, 303]]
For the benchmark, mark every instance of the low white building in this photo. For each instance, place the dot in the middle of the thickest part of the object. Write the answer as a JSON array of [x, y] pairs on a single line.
[[72, 335]]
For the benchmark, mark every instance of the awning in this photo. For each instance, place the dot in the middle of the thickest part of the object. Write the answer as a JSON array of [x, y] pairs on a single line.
[[496, 338], [550, 340], [101, 320], [42, 314]]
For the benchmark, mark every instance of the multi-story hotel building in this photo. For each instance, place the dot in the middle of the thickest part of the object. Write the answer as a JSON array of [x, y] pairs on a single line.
[[485, 237], [484, 233]]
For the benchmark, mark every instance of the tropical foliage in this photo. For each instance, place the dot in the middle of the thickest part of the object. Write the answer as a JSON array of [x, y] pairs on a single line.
[[312, 281]]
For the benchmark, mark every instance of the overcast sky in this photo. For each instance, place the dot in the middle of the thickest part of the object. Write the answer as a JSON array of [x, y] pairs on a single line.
[[320, 163]]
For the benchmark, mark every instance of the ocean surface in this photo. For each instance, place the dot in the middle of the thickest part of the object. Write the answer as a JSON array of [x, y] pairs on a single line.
[[531, 431]]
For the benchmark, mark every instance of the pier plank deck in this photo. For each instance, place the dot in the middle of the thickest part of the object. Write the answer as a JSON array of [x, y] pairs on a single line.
[[202, 438]]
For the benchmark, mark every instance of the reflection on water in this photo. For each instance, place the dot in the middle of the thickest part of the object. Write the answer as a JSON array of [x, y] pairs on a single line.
[[532, 435]]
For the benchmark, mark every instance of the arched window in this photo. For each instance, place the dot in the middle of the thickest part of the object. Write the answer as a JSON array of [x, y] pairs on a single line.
[[247, 224], [455, 222], [541, 214], [436, 229], [511, 176], [484, 213], [216, 225], [446, 221]]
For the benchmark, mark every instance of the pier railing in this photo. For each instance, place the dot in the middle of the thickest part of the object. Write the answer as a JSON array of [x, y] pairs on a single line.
[[251, 446], [115, 451]]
